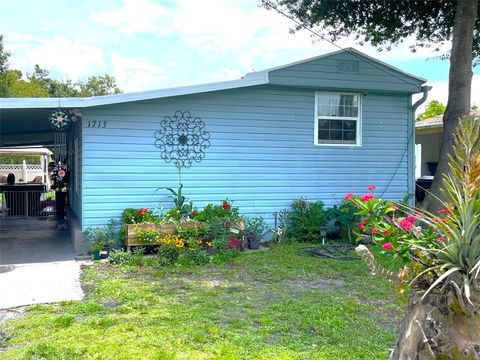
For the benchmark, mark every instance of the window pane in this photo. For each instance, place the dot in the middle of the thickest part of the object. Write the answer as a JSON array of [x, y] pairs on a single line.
[[323, 135], [349, 135], [345, 105], [349, 125], [336, 124], [323, 124], [336, 135], [337, 131]]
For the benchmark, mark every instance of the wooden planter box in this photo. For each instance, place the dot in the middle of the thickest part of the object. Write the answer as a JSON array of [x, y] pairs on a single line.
[[131, 231]]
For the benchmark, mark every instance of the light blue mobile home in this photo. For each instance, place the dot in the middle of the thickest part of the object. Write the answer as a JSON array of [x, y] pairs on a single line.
[[318, 128]]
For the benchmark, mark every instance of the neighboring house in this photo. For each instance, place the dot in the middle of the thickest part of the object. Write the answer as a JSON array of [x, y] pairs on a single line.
[[318, 128], [428, 134]]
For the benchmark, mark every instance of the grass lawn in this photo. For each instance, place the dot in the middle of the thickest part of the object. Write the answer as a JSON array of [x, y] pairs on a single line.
[[265, 305]]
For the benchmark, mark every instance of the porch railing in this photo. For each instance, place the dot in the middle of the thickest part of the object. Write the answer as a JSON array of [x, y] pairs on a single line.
[[28, 203]]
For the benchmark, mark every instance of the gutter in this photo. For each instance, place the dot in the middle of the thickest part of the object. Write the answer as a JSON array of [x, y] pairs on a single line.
[[425, 90]]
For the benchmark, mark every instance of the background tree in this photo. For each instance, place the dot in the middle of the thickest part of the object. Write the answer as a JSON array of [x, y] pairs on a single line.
[[382, 23], [40, 84], [434, 108], [98, 85]]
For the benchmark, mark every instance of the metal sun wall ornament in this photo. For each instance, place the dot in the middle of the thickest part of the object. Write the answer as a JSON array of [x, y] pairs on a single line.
[[182, 139], [59, 119]]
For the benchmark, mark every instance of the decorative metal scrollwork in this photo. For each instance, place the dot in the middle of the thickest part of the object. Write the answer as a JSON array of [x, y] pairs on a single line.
[[182, 139]]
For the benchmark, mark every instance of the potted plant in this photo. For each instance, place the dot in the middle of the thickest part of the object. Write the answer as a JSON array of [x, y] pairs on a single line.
[[254, 229]]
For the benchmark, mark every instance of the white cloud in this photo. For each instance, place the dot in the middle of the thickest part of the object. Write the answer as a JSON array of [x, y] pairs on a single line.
[[135, 74], [136, 16], [74, 58]]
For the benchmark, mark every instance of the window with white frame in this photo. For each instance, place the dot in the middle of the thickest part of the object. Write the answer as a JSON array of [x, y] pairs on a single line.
[[337, 119]]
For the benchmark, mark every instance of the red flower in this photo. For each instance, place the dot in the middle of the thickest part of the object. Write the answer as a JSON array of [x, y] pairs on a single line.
[[194, 213], [145, 211], [61, 173], [367, 197], [372, 188], [362, 225], [226, 206], [140, 212], [374, 231], [387, 246], [441, 239], [447, 212], [386, 233], [233, 243], [348, 196], [406, 225]]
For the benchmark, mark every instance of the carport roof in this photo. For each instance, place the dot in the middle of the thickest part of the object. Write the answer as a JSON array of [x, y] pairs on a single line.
[[78, 102]]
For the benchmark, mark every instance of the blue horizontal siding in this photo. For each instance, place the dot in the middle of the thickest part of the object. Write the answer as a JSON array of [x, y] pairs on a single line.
[[261, 155]]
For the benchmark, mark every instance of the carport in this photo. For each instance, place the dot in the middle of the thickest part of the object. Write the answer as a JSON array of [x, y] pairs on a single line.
[[33, 234]]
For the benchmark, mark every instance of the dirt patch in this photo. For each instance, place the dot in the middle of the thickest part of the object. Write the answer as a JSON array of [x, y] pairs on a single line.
[[315, 284], [110, 304]]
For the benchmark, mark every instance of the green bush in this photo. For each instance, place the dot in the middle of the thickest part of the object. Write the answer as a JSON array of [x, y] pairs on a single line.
[[122, 257], [98, 238], [305, 219], [344, 218]]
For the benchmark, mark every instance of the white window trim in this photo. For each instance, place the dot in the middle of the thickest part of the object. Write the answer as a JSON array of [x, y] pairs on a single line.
[[357, 119]]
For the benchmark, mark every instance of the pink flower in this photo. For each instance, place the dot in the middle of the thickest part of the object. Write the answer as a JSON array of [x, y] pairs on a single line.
[[441, 239], [367, 197], [374, 231], [411, 219], [61, 173], [447, 212], [372, 188], [362, 225], [348, 196], [387, 246], [406, 225], [59, 119]]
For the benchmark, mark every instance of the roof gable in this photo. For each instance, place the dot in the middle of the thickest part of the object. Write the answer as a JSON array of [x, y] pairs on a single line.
[[345, 69]]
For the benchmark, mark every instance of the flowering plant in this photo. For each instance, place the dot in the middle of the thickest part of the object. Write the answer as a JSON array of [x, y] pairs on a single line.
[[138, 216], [445, 249], [223, 211], [58, 175]]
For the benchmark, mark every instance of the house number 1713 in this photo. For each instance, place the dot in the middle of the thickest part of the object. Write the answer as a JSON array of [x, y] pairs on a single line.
[[101, 124]]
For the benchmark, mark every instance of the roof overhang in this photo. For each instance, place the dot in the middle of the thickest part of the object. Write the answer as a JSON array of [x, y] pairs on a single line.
[[84, 102]]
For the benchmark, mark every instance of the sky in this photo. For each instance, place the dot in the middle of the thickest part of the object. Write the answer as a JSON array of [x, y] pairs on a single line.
[[155, 44]]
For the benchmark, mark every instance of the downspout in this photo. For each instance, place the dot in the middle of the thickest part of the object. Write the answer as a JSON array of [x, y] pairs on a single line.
[[425, 89], [411, 146]]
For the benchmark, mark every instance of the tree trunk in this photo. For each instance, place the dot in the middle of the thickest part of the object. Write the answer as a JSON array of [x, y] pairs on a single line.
[[459, 91], [436, 328]]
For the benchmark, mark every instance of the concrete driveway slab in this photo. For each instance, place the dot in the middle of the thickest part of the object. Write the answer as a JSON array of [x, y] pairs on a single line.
[[40, 283]]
